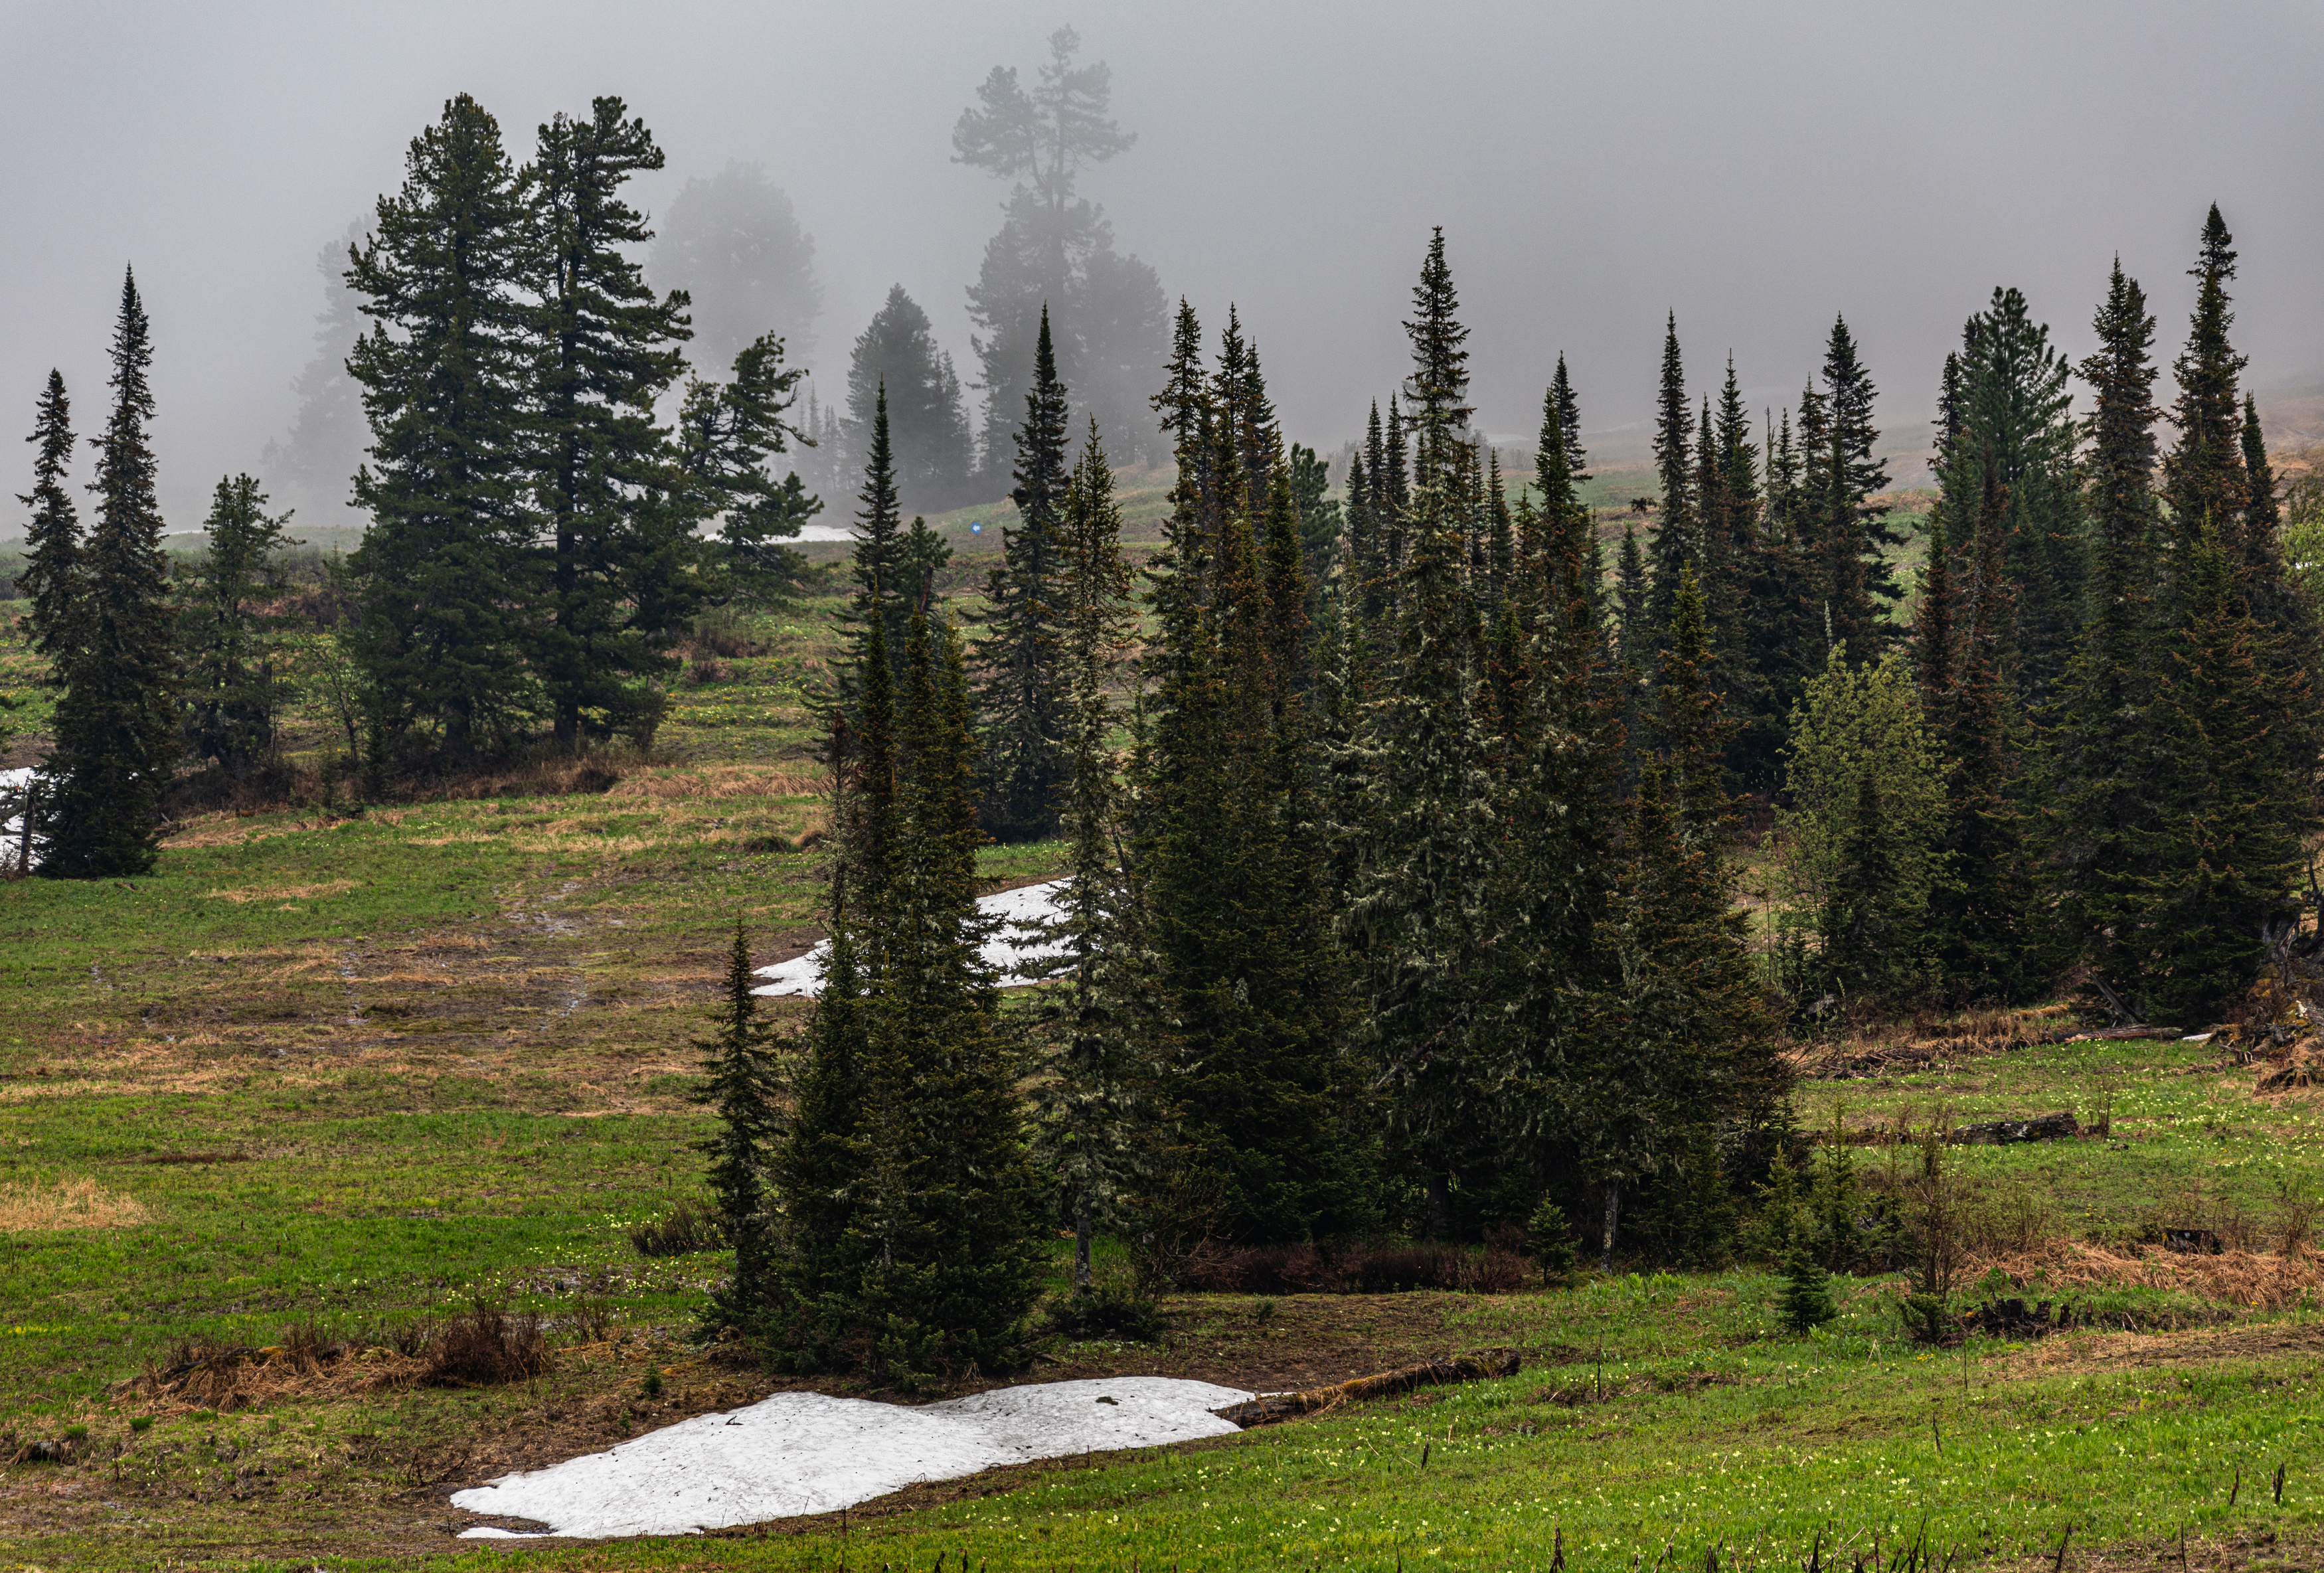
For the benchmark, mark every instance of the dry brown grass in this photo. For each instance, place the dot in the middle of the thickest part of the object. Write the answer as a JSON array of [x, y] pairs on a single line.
[[2253, 1279], [69, 1204], [722, 781], [284, 892]]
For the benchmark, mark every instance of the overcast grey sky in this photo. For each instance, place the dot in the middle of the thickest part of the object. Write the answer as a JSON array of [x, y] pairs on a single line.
[[1754, 167]]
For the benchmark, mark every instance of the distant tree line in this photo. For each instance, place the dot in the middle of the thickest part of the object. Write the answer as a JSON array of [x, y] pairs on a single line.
[[1404, 871]]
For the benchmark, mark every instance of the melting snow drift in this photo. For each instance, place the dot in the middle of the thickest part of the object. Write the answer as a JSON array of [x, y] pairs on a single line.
[[803, 1453], [1015, 951]]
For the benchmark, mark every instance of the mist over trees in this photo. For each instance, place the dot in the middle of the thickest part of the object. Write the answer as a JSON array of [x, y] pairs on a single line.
[[1054, 251], [311, 467], [929, 425], [733, 244]]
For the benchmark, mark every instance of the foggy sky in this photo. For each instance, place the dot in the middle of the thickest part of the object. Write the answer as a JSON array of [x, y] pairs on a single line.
[[1755, 168]]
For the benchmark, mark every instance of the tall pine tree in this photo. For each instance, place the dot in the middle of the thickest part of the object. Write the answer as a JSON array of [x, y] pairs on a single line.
[[114, 727], [1022, 698]]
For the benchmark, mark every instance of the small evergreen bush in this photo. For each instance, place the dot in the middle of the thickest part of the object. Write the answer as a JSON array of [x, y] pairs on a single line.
[[1806, 1301], [1549, 1237]]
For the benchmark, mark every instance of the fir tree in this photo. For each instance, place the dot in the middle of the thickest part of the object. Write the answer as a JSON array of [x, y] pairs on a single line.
[[739, 1086], [1439, 387], [1319, 514], [605, 350], [948, 1233], [1095, 1096], [2203, 476], [1853, 577], [444, 578], [1022, 699], [1804, 1301], [232, 646], [1677, 542], [2096, 765], [52, 576], [877, 563], [1633, 647], [114, 727]]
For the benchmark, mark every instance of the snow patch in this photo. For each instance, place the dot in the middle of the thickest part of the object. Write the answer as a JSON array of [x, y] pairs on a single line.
[[1015, 951], [800, 1453]]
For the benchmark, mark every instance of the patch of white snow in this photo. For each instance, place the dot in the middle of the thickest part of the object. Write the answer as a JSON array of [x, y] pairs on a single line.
[[1015, 951], [799, 1453]]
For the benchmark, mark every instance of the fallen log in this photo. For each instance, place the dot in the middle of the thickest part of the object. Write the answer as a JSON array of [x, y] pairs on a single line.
[[2002, 1133], [1270, 1407]]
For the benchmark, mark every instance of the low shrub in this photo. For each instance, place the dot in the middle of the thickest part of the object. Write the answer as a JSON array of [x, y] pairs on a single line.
[[1357, 1267], [1107, 1310], [485, 1344], [684, 1229]]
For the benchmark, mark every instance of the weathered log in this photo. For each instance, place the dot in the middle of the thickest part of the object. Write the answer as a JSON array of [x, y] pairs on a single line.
[[2002, 1133], [1270, 1407]]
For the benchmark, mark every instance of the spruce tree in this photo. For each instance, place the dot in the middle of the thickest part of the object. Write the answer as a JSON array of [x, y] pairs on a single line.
[[727, 434], [2222, 846], [1021, 698], [2204, 475], [739, 1085], [1677, 542], [1853, 578], [1439, 387], [1978, 913], [877, 561], [115, 726], [949, 1237], [52, 577], [1096, 1092], [898, 352], [605, 351], [2095, 769], [233, 648], [445, 577]]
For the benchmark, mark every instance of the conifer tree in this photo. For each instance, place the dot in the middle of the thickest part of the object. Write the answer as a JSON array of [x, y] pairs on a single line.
[[948, 1234], [233, 646], [1633, 648], [605, 351], [115, 726], [1853, 577], [877, 563], [51, 576], [1978, 913], [1093, 1019], [2220, 853], [739, 1086], [1677, 542], [1439, 389], [1416, 920], [1023, 700], [818, 1171], [727, 434], [2204, 475], [445, 581], [2095, 767]]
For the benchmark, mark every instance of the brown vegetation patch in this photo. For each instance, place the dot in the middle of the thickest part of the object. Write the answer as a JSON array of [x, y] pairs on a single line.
[[68, 1204], [720, 781], [1887, 1047], [2250, 1279], [283, 892]]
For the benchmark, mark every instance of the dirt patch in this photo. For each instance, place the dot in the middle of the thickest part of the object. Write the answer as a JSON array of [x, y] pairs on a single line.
[[68, 1204]]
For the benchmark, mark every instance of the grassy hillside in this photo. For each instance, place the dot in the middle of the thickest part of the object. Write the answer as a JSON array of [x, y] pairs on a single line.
[[329, 1076]]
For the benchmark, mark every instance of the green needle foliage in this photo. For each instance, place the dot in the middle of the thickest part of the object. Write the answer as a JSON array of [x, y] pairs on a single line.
[[739, 1085], [116, 724], [233, 646]]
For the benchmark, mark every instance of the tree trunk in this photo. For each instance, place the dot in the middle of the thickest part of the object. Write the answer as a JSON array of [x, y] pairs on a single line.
[[1081, 1248], [1613, 1216]]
